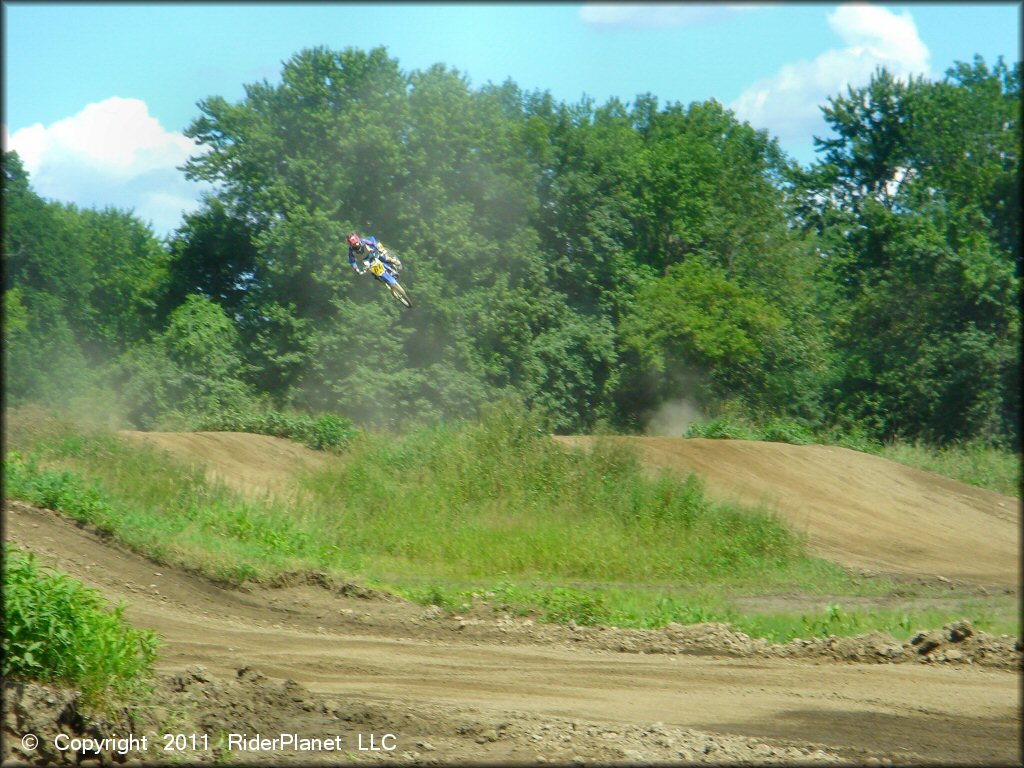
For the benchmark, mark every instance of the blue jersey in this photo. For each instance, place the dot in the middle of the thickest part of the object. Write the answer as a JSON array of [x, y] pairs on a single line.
[[372, 247]]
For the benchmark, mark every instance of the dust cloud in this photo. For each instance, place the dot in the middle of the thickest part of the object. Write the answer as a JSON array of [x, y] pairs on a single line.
[[673, 417]]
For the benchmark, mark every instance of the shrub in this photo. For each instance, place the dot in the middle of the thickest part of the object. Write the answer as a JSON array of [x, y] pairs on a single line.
[[56, 629], [785, 431], [723, 428], [779, 430], [325, 432]]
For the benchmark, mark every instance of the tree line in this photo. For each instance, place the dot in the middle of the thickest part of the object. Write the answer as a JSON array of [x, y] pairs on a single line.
[[594, 261]]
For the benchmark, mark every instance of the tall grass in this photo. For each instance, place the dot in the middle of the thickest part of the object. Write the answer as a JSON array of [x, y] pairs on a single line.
[[444, 511], [984, 466], [168, 512], [478, 499], [499, 496]]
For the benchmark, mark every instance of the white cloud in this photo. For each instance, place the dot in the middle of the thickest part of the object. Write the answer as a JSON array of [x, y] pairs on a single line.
[[617, 15], [112, 153], [788, 103], [881, 34]]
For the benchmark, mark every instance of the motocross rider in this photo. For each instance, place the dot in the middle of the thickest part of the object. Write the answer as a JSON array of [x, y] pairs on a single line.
[[360, 248]]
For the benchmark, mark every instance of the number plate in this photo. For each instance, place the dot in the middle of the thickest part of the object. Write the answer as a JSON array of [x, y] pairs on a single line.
[[377, 268]]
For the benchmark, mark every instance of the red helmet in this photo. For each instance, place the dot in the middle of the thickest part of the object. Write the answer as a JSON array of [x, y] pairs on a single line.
[[353, 240]]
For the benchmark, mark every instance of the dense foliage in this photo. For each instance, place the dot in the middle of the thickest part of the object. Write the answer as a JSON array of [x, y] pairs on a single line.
[[595, 261], [58, 630]]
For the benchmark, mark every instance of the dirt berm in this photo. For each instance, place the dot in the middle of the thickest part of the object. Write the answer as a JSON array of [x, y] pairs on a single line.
[[319, 659]]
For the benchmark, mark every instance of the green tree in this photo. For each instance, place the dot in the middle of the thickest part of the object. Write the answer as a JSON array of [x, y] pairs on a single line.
[[128, 269], [724, 341], [447, 177], [83, 285], [193, 367], [712, 214], [212, 253], [912, 204]]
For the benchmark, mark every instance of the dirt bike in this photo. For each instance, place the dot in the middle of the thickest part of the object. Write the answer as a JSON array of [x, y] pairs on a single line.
[[388, 275]]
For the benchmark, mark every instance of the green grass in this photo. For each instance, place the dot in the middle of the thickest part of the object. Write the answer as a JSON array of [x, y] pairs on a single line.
[[976, 464], [998, 618], [165, 511], [56, 629], [654, 608], [500, 496], [447, 511], [473, 500], [583, 605]]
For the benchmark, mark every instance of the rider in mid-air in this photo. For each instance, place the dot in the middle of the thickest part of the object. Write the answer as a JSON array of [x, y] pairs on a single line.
[[360, 249]]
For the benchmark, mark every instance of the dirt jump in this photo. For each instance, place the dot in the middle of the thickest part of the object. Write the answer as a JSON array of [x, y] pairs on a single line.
[[856, 509], [318, 659]]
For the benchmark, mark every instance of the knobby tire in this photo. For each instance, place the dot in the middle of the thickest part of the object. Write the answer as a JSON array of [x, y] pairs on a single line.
[[399, 293]]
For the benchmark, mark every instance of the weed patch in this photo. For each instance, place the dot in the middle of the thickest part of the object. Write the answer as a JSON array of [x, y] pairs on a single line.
[[499, 496], [56, 629], [324, 432], [984, 466], [449, 501]]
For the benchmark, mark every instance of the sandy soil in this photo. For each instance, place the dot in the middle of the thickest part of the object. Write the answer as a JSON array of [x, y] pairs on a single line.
[[255, 464], [319, 658]]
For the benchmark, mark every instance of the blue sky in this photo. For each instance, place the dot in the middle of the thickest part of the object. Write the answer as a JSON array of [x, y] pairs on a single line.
[[96, 95]]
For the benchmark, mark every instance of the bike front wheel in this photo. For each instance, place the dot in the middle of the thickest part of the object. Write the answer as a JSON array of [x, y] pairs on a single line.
[[399, 293]]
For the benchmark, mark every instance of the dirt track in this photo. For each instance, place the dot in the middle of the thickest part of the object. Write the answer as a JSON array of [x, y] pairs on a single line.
[[458, 690]]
